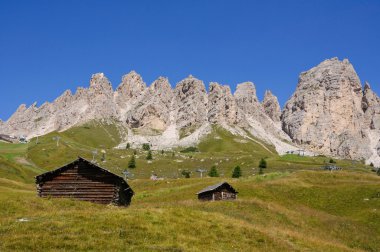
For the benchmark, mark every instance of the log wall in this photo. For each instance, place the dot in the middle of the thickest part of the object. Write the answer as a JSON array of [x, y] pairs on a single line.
[[83, 182]]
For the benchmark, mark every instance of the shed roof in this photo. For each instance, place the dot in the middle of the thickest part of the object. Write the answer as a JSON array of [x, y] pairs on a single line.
[[42, 176], [216, 186]]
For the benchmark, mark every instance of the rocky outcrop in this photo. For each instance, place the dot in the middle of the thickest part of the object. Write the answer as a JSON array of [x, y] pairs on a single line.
[[190, 101], [153, 107], [329, 113], [222, 107], [271, 106], [325, 112]]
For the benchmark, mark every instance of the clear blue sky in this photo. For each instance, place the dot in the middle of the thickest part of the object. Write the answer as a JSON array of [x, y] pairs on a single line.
[[49, 46]]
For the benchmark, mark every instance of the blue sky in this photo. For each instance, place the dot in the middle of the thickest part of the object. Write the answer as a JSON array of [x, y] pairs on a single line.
[[47, 47]]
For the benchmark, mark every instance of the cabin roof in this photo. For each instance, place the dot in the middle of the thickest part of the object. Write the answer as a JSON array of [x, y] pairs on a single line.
[[216, 186], [42, 176]]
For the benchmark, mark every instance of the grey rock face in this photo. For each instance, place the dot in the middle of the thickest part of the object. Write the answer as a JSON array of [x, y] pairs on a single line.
[[271, 106], [371, 108], [222, 107], [130, 89], [153, 107], [325, 112], [190, 101]]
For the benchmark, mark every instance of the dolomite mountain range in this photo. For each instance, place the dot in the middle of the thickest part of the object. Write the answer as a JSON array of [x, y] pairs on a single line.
[[330, 113]]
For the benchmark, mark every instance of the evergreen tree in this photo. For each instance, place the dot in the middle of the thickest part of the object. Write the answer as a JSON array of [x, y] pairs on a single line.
[[371, 164], [149, 156], [162, 152], [132, 162], [213, 172], [146, 146], [237, 172], [263, 163], [186, 173], [128, 146], [134, 152]]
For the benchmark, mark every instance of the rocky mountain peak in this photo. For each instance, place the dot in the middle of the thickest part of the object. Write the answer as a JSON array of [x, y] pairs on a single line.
[[191, 102], [161, 85], [100, 84], [222, 107], [271, 106], [130, 88], [325, 112]]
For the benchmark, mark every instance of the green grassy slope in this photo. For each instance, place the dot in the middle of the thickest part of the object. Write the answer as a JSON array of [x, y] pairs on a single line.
[[295, 206], [301, 211], [220, 148]]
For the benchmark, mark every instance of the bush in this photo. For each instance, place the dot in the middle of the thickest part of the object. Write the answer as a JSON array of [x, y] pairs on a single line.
[[132, 162], [134, 152], [128, 146], [237, 172], [186, 173], [189, 149], [262, 163], [371, 164], [149, 156], [213, 172], [146, 146], [378, 171], [332, 161]]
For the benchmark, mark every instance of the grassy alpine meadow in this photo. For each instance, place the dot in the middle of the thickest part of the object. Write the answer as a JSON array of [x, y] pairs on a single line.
[[293, 206]]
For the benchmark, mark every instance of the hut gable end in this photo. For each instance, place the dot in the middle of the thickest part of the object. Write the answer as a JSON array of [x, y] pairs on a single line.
[[84, 180], [221, 191]]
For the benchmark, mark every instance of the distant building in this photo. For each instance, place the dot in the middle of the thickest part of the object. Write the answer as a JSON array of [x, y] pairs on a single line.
[[221, 191], [84, 180]]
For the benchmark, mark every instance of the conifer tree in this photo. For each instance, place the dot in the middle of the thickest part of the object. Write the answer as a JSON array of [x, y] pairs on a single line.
[[237, 172], [149, 156], [213, 172], [132, 162], [263, 163]]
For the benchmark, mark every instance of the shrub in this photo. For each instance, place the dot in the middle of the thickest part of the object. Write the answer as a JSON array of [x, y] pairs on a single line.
[[128, 146], [332, 161], [237, 172], [132, 162], [186, 173], [371, 164], [213, 172], [189, 149], [378, 171], [149, 156], [146, 146], [263, 163]]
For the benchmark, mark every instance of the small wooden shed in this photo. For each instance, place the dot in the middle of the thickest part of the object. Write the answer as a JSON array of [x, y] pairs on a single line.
[[84, 180], [221, 191]]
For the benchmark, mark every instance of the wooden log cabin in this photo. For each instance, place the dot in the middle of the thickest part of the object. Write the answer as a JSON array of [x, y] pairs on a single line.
[[221, 191], [84, 180]]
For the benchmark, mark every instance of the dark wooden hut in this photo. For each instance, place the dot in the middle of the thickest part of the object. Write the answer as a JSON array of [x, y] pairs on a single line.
[[84, 180], [221, 191]]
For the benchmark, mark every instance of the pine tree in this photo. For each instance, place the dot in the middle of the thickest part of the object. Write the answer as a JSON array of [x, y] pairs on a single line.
[[263, 163], [237, 172], [149, 156], [128, 146], [146, 146], [213, 172], [132, 162]]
